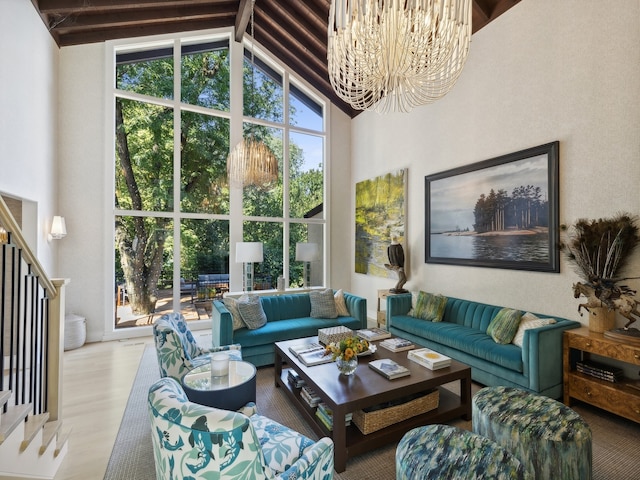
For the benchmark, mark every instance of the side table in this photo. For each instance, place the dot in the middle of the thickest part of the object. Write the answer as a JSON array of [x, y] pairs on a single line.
[[381, 314], [228, 392]]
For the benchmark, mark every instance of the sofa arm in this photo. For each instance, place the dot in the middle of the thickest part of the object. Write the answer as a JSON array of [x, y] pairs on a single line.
[[357, 307], [316, 463], [397, 305], [542, 354], [221, 325]]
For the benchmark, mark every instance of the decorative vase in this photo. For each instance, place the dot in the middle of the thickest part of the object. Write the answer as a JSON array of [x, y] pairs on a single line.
[[601, 319], [347, 367]]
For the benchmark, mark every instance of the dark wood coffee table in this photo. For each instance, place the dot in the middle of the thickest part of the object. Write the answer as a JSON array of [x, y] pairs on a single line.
[[367, 388]]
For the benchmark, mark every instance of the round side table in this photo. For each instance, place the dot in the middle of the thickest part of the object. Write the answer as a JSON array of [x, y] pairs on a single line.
[[228, 392]]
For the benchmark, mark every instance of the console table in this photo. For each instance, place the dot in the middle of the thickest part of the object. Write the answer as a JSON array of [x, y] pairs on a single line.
[[621, 398]]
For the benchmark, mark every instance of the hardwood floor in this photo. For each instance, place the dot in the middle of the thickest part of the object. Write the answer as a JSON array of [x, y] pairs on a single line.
[[97, 380]]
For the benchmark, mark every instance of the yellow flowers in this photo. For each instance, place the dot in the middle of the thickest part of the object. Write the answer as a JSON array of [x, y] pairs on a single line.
[[347, 348]]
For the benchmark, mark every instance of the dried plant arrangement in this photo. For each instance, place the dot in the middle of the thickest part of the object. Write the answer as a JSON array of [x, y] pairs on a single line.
[[600, 250]]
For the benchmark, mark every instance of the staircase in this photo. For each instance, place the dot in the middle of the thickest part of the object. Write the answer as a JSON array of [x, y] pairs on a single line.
[[31, 446], [33, 442]]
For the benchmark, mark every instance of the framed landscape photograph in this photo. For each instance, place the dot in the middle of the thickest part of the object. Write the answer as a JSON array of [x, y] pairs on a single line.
[[499, 213]]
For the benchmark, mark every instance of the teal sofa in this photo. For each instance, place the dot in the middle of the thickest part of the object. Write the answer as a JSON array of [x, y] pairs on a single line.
[[288, 317], [461, 335]]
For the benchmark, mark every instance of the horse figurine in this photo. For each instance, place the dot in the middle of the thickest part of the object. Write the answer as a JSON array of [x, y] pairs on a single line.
[[622, 302]]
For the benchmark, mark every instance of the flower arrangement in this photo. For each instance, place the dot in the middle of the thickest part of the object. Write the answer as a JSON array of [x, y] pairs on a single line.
[[347, 348]]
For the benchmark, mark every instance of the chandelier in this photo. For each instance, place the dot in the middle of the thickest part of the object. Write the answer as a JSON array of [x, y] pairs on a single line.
[[394, 55], [251, 162]]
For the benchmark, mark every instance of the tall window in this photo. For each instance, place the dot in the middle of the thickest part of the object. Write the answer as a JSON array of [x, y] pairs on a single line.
[[173, 213]]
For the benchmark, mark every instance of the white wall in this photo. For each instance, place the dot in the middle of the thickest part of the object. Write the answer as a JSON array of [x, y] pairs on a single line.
[[82, 186], [28, 123], [543, 71]]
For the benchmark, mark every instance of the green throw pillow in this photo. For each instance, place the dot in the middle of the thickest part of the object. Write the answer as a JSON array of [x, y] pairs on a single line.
[[323, 305], [504, 325], [430, 307]]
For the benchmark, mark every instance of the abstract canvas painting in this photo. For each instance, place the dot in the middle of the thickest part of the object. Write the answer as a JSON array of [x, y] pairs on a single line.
[[380, 218]]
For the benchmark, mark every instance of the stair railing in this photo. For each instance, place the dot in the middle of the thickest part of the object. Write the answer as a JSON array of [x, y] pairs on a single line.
[[32, 310]]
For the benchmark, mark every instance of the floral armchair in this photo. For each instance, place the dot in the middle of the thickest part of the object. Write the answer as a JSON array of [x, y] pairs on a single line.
[[177, 350], [195, 442]]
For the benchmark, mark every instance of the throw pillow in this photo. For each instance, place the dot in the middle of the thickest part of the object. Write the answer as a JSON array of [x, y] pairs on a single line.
[[323, 305], [251, 311], [529, 321], [341, 304], [231, 305], [504, 325], [414, 301], [430, 307]]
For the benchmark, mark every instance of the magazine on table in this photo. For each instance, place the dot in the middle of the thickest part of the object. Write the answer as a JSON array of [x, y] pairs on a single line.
[[388, 368], [305, 348], [429, 358], [315, 357], [397, 344], [373, 334]]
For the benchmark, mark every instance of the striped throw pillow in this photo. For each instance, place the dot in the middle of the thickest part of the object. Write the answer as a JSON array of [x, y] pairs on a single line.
[[430, 307], [504, 325]]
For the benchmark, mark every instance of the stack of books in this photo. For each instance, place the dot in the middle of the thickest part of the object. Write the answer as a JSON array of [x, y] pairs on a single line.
[[373, 334], [294, 379], [388, 368], [309, 395], [325, 414], [397, 344], [429, 358], [600, 370]]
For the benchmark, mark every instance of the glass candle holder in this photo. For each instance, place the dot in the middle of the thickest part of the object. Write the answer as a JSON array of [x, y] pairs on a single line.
[[219, 365]]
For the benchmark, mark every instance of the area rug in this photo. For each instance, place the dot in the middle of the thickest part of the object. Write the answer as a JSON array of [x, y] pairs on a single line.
[[615, 440]]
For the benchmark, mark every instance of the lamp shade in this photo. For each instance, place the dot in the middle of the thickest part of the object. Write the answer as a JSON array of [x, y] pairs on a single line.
[[306, 252], [58, 227], [249, 252]]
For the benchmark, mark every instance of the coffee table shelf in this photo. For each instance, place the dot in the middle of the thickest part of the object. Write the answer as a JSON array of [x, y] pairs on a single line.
[[369, 389]]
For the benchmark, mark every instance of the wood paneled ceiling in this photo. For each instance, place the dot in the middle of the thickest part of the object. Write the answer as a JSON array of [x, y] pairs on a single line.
[[295, 31]]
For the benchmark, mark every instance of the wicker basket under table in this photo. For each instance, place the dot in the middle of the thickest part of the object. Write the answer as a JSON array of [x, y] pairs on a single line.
[[369, 422]]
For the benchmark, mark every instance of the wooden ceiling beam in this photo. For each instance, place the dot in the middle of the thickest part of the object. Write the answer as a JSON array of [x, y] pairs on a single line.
[[68, 6], [242, 18], [140, 18], [96, 35], [293, 30]]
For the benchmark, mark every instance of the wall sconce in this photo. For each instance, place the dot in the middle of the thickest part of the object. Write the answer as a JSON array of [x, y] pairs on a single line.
[[248, 253], [307, 253], [58, 228]]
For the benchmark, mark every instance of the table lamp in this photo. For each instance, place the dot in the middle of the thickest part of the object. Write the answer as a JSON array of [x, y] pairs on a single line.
[[307, 253], [248, 253]]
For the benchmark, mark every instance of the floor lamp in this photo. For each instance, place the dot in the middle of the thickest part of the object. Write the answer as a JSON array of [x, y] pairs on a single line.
[[307, 253], [248, 253]]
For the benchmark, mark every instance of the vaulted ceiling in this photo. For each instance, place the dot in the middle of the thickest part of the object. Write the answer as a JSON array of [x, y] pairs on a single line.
[[295, 31]]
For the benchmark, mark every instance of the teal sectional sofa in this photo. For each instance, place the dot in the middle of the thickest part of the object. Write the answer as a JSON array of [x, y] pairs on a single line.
[[461, 335], [288, 317]]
